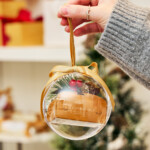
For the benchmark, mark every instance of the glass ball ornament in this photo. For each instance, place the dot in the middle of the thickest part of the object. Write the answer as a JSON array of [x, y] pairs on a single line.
[[76, 106]]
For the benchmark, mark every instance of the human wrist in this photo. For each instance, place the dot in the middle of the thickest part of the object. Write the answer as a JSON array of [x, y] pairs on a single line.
[[106, 10]]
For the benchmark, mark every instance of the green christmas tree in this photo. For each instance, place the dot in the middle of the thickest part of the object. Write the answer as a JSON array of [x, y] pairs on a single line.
[[120, 131]]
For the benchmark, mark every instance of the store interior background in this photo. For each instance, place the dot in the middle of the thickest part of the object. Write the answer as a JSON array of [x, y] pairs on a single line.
[[27, 72]]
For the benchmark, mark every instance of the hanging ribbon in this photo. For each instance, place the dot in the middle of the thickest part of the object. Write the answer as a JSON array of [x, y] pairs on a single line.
[[72, 47]]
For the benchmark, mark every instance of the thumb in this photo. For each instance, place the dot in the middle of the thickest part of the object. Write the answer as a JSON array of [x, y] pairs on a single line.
[[78, 11]]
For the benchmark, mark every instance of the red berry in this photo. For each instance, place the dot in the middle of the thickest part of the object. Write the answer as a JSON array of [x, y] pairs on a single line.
[[72, 83], [79, 83]]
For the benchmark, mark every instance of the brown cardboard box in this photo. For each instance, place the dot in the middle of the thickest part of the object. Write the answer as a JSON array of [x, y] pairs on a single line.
[[24, 33], [88, 108], [10, 9]]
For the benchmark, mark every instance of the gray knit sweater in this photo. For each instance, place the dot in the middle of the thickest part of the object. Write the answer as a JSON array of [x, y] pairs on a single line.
[[126, 40]]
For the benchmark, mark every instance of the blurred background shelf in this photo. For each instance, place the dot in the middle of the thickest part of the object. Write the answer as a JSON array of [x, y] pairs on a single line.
[[21, 141], [37, 54], [43, 137]]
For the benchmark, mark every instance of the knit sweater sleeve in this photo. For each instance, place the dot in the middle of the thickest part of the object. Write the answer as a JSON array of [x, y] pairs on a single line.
[[126, 40]]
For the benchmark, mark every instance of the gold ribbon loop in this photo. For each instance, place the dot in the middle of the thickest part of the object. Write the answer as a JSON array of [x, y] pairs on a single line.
[[81, 69], [95, 67]]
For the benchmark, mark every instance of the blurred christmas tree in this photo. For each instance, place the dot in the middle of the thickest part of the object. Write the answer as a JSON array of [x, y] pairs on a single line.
[[120, 132]]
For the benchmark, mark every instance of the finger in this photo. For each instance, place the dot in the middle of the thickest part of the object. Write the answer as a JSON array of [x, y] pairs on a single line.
[[84, 2], [94, 2], [59, 14], [77, 11], [75, 23], [67, 29], [64, 21], [79, 2], [86, 29]]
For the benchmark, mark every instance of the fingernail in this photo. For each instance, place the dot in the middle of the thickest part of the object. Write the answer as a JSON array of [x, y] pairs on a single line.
[[64, 10]]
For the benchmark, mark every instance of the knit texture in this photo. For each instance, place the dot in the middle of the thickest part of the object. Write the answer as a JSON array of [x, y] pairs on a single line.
[[126, 40]]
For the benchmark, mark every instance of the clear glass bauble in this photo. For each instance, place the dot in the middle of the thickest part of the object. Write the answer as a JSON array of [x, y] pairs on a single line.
[[76, 106]]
